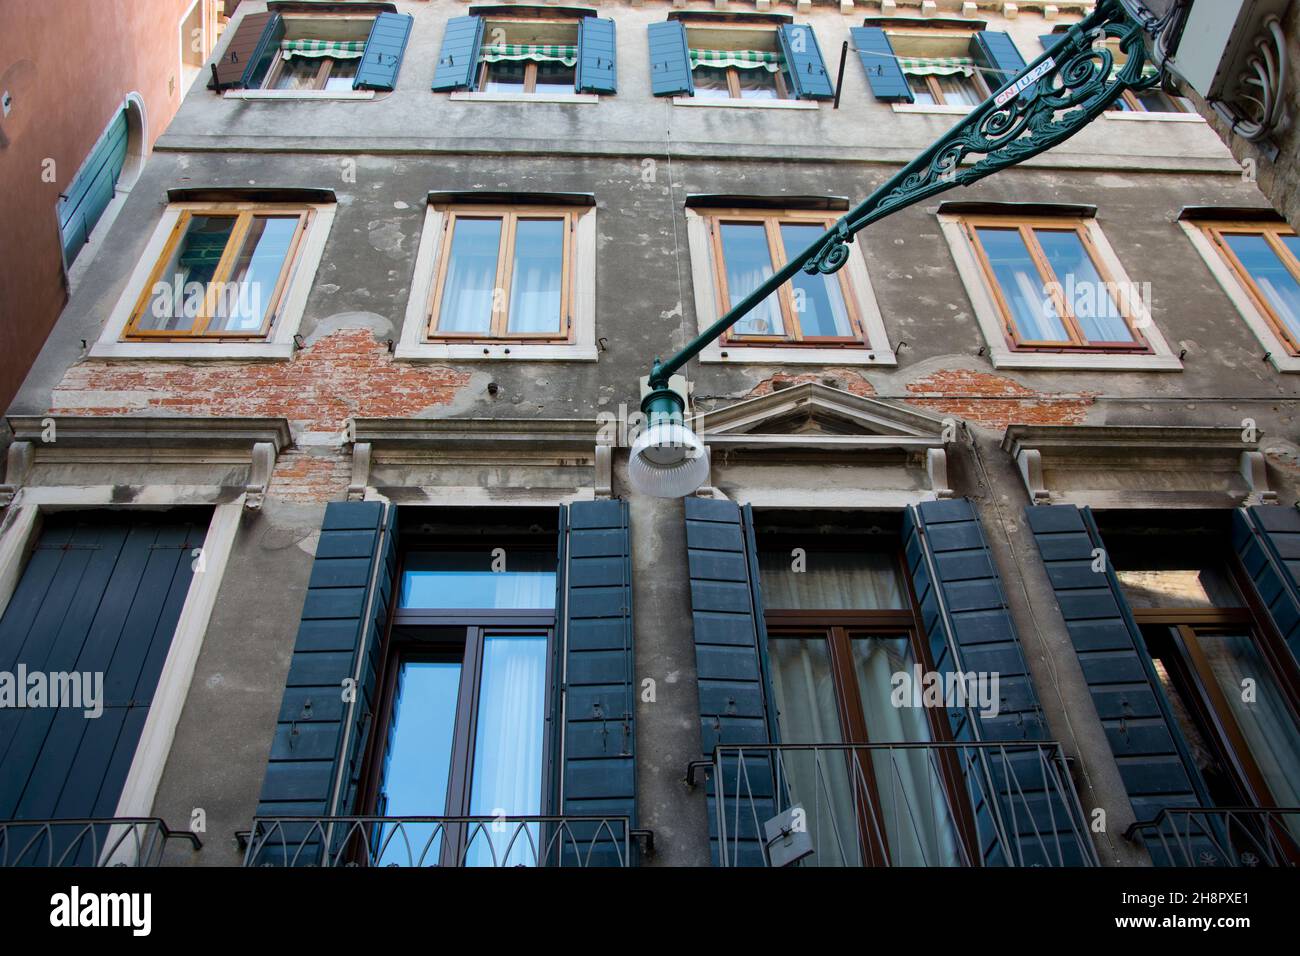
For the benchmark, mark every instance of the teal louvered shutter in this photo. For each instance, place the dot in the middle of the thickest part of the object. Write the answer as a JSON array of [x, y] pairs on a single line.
[[320, 737], [99, 595], [1267, 539], [597, 56], [670, 60], [248, 41], [382, 57], [886, 77], [1049, 40], [997, 56], [263, 55], [804, 63], [730, 636], [458, 58], [91, 190], [599, 763], [1153, 758]]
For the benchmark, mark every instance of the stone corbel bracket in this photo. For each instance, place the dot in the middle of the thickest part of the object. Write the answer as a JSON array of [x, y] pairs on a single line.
[[260, 469], [18, 465], [1255, 470]]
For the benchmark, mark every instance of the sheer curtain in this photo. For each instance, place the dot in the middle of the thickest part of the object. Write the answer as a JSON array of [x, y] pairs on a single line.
[[471, 277], [830, 580], [749, 265], [536, 277]]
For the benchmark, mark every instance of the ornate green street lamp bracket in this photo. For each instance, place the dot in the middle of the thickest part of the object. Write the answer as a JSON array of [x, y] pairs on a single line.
[[1057, 95]]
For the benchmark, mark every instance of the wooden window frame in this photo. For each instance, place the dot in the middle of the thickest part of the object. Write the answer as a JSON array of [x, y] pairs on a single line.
[[733, 73], [1027, 227], [323, 72], [244, 214], [936, 91], [733, 82], [530, 77], [1215, 231], [500, 319], [772, 221], [1135, 105], [530, 66]]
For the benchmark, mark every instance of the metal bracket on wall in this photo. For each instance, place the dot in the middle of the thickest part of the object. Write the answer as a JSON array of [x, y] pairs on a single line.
[[260, 467]]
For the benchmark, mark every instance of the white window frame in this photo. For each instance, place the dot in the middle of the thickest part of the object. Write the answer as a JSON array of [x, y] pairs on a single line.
[[1160, 359], [875, 350], [278, 345], [415, 346]]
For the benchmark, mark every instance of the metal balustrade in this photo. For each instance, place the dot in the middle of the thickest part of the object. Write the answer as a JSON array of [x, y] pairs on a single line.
[[1223, 836], [112, 841]]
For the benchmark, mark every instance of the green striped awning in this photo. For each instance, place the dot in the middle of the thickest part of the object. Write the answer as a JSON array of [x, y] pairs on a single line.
[[338, 49], [937, 65], [540, 52], [741, 59]]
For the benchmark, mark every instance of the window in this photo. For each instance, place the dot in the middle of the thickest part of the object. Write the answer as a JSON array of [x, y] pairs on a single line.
[[946, 81], [528, 56], [464, 707], [737, 63], [319, 53], [1050, 288], [1265, 259], [1152, 101]]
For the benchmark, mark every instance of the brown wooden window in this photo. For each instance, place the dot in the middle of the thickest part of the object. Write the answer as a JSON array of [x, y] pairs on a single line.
[[1052, 288], [311, 73], [1266, 259], [222, 273], [748, 248], [528, 56], [303, 60], [504, 274], [954, 89], [736, 63]]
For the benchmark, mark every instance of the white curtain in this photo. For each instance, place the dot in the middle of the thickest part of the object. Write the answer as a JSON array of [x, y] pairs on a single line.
[[471, 276], [830, 580], [536, 278]]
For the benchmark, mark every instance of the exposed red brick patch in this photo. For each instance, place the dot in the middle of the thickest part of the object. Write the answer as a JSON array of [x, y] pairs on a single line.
[[304, 476], [995, 401], [842, 378]]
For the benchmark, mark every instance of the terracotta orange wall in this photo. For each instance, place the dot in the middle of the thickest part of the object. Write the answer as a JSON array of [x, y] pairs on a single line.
[[68, 65]]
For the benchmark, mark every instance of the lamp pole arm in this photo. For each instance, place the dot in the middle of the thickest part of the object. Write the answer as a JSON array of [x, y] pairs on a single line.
[[1053, 98]]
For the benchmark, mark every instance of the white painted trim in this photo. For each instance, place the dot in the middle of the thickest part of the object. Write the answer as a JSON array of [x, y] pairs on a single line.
[[413, 347], [485, 97], [1279, 355], [746, 104], [21, 527], [939, 109], [989, 316], [1144, 117], [278, 346], [877, 351], [151, 752], [298, 94]]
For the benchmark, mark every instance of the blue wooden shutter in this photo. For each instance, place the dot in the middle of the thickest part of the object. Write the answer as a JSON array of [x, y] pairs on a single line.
[[98, 595], [597, 56], [599, 774], [996, 53], [888, 82], [263, 55], [382, 57], [1267, 539], [88, 195], [320, 740], [803, 58], [670, 60], [1153, 758], [458, 58], [1049, 40], [730, 637], [248, 45]]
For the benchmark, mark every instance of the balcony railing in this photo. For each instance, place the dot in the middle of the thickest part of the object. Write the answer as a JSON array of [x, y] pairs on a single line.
[[1226, 836], [117, 841], [573, 841], [901, 804]]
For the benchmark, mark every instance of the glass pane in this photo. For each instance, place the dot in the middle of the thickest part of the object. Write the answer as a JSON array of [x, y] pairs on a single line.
[[243, 303], [758, 84], [1194, 588], [819, 299], [418, 761], [468, 579], [1154, 101], [537, 276], [959, 90], [831, 580], [1274, 281], [816, 780], [710, 83], [1085, 292], [914, 806], [342, 73], [1032, 309], [508, 749], [505, 76], [298, 73], [467, 293], [921, 91], [554, 77], [177, 296], [749, 265]]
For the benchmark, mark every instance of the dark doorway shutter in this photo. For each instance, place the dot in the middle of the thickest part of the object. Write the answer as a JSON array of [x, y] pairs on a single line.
[[458, 57], [597, 58], [249, 53], [382, 57], [670, 60], [320, 739], [888, 82], [599, 755], [998, 57], [88, 195], [730, 637], [1152, 755], [1267, 539], [101, 593], [803, 57]]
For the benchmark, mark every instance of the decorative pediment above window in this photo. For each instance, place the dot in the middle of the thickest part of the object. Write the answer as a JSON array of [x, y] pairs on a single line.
[[1140, 466], [812, 445]]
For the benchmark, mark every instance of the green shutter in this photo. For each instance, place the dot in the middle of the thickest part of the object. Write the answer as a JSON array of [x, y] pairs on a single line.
[[885, 76], [996, 53], [248, 43], [458, 58], [91, 190], [670, 61], [597, 56], [1267, 539], [804, 63], [382, 57]]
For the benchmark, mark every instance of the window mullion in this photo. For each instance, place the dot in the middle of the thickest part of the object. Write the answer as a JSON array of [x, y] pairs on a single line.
[[222, 273], [1053, 286], [785, 295], [1271, 236], [501, 290]]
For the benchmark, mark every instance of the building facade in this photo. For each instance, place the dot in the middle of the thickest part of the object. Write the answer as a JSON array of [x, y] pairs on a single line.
[[324, 467]]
